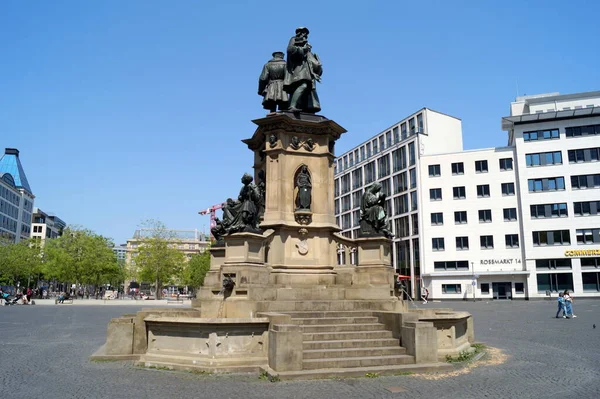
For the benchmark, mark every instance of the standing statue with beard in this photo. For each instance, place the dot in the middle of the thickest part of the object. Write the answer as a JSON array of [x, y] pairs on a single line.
[[304, 70]]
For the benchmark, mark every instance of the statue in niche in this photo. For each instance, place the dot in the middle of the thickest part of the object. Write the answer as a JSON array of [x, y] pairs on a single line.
[[373, 218], [309, 144], [262, 189], [304, 197], [295, 143], [270, 84], [304, 69]]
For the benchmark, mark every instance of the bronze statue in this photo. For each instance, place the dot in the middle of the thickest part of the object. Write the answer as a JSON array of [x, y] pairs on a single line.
[[249, 200], [304, 197], [262, 189], [230, 213], [218, 232], [270, 84], [373, 218], [304, 69]]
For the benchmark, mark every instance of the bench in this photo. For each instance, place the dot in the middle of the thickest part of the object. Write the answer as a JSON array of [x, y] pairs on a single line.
[[69, 301]]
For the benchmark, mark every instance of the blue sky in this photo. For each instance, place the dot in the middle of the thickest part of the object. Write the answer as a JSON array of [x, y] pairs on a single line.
[[126, 110]]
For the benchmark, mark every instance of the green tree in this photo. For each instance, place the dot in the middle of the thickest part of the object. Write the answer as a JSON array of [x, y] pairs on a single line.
[[196, 269], [20, 262], [80, 256], [157, 258]]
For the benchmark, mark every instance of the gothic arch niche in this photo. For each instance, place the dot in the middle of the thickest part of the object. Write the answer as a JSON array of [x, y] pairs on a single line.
[[302, 189]]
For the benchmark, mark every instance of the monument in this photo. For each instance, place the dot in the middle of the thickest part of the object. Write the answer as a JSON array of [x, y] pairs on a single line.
[[285, 292]]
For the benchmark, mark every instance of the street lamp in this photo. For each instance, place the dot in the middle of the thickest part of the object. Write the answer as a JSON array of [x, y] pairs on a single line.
[[474, 280]]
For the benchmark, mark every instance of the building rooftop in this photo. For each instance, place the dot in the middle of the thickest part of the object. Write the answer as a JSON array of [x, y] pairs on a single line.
[[10, 163]]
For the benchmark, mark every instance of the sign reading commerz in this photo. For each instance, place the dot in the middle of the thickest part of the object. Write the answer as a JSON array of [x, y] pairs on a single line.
[[582, 252]]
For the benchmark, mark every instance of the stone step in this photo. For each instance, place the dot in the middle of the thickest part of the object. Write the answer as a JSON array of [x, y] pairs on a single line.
[[313, 314], [328, 305], [399, 369], [350, 343], [323, 328], [333, 320], [353, 352], [334, 336], [347, 362]]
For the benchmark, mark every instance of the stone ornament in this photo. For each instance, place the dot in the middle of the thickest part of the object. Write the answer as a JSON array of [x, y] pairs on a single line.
[[303, 218], [302, 246], [272, 141], [309, 144]]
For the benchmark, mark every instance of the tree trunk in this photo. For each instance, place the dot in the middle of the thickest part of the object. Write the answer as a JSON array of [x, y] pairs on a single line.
[[158, 291]]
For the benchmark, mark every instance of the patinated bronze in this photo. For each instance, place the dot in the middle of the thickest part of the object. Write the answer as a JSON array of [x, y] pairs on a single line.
[[304, 197], [304, 69], [373, 218], [270, 84], [295, 143], [218, 232]]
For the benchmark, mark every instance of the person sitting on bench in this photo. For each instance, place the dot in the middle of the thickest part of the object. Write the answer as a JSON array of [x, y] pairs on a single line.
[[64, 296]]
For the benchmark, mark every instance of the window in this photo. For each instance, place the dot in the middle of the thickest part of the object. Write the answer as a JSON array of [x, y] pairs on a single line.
[[411, 153], [370, 172], [414, 203], [487, 242], [451, 265], [554, 282], [459, 192], [396, 135], [542, 211], [508, 188], [506, 164], [357, 198], [375, 147], [420, 122], [485, 288], [587, 263], [437, 218], [403, 131], [451, 289], [399, 159], [388, 139], [586, 208], [435, 194], [401, 204], [437, 244], [588, 236], [510, 214], [385, 187], [345, 203], [413, 177], [579, 131], [485, 216], [458, 168], [541, 135], [383, 166], [345, 183], [584, 155], [553, 237], [483, 190], [519, 288], [585, 181], [512, 240], [402, 228], [434, 170], [547, 184], [481, 166], [462, 243], [369, 152], [591, 282], [357, 178], [460, 217], [400, 182], [543, 158]]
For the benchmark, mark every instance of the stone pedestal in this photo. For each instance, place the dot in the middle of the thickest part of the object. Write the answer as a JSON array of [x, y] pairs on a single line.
[[374, 262]]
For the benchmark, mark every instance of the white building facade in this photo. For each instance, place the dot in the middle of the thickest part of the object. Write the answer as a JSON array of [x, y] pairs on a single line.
[[515, 222], [46, 225], [392, 158]]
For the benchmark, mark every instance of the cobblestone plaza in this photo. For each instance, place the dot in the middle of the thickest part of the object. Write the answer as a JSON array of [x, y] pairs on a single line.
[[44, 352]]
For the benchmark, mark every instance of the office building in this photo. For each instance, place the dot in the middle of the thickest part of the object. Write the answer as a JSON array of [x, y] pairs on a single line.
[[518, 222], [120, 251], [46, 225], [16, 198]]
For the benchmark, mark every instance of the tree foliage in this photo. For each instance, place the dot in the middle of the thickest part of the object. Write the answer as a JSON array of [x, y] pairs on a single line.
[[20, 262], [81, 256], [157, 259], [196, 269]]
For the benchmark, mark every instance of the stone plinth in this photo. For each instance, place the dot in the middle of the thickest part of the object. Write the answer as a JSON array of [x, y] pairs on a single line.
[[217, 258], [244, 248], [374, 262]]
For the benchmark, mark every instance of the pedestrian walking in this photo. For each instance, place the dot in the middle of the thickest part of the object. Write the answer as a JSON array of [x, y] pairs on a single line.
[[561, 306], [568, 303], [424, 294]]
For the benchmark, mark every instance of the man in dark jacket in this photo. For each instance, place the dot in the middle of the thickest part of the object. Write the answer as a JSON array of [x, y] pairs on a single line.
[[270, 84], [304, 69]]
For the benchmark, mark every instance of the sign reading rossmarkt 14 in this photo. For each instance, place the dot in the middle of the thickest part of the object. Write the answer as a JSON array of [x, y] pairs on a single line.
[[582, 252], [505, 261]]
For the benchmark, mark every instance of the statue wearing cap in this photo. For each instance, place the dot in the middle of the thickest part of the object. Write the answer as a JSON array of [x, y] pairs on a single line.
[[304, 69], [270, 84]]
